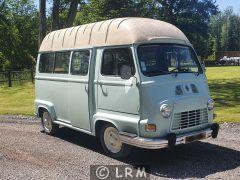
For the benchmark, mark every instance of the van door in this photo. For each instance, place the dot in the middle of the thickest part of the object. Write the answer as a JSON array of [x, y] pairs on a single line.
[[78, 90], [57, 92], [116, 94]]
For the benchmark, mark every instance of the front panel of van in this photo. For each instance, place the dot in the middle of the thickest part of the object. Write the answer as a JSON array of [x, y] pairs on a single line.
[[185, 93]]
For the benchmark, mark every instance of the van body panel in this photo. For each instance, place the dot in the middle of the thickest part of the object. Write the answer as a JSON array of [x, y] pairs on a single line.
[[122, 121], [161, 90], [79, 103], [53, 89], [116, 94]]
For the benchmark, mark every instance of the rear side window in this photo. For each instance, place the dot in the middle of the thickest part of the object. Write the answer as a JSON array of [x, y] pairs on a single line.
[[80, 62], [114, 59], [62, 62], [46, 63]]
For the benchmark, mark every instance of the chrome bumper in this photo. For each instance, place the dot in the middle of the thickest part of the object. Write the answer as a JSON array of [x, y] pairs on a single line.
[[157, 143]]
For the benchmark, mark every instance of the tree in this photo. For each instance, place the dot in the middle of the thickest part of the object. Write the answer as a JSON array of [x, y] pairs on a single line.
[[64, 13], [97, 10], [192, 17], [2, 2], [72, 13], [18, 34], [42, 20], [225, 31], [55, 14]]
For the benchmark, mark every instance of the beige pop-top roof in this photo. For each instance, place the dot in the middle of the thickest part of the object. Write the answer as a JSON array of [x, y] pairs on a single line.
[[118, 31]]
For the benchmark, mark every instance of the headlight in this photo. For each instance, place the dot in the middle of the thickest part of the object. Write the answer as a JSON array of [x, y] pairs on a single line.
[[210, 104], [166, 110]]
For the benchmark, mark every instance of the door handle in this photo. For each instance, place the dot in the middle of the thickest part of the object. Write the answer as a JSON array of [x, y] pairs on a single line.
[[86, 88], [105, 93]]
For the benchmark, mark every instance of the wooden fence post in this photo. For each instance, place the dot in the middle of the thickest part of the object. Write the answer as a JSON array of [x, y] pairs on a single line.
[[9, 79], [32, 78]]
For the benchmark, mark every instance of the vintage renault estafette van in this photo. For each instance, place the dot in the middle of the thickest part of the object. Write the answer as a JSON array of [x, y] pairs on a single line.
[[127, 81]]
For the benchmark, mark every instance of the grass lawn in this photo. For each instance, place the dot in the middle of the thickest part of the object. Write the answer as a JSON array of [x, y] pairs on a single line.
[[17, 100], [224, 85]]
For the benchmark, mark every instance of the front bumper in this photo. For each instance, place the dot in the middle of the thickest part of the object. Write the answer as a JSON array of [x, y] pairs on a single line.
[[171, 140]]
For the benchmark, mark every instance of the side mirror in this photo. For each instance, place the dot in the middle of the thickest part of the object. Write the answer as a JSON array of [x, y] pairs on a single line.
[[203, 66], [125, 72]]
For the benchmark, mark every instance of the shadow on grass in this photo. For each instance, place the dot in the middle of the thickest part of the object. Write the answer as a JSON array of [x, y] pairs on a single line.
[[226, 92], [196, 160]]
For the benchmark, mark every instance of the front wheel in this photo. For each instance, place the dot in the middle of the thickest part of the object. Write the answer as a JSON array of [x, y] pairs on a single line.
[[111, 142], [48, 125]]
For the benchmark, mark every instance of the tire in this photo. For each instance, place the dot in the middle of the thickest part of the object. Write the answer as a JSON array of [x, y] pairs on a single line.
[[48, 126], [111, 143]]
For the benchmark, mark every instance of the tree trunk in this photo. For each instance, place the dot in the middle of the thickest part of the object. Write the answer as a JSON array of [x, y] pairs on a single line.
[[2, 3], [55, 15], [72, 13], [42, 21]]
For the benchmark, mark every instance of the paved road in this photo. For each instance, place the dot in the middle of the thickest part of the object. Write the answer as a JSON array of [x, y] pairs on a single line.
[[26, 153]]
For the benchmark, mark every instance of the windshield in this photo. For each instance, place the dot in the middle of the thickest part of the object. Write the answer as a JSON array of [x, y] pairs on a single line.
[[160, 59]]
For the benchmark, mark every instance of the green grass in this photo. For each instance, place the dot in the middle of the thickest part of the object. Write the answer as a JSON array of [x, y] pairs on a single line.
[[224, 85], [17, 100]]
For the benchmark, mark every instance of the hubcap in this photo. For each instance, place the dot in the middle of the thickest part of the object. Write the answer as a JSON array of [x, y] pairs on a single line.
[[112, 140], [47, 122]]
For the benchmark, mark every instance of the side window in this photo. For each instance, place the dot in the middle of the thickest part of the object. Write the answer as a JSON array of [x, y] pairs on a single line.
[[114, 59], [109, 66], [46, 63], [62, 62], [80, 62]]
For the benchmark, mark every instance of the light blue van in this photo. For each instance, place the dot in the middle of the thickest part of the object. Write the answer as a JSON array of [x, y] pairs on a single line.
[[128, 81]]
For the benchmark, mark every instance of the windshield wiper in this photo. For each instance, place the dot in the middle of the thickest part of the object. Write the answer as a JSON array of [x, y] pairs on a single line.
[[159, 72], [181, 70]]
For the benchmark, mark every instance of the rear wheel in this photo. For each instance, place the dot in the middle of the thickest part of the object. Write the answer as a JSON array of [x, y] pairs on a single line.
[[111, 142], [48, 125]]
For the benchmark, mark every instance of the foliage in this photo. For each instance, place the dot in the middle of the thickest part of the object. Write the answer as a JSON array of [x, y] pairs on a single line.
[[225, 31], [18, 34], [207, 29], [192, 16]]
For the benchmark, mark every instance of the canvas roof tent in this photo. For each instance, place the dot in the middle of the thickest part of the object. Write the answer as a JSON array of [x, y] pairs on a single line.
[[120, 31]]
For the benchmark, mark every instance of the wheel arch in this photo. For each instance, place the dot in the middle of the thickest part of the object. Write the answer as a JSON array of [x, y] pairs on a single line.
[[42, 106], [99, 123]]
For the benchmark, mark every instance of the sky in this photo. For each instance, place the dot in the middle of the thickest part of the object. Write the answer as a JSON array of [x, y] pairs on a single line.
[[223, 4]]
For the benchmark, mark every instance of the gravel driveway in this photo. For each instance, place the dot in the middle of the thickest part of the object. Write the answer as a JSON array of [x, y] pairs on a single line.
[[26, 153]]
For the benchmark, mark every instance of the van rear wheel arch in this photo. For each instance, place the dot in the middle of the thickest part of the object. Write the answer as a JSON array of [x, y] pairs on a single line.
[[54, 127]]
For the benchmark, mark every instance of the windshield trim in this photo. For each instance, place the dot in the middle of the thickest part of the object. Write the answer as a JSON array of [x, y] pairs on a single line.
[[200, 69]]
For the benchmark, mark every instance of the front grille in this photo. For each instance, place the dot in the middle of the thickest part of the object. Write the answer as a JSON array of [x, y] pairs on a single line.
[[189, 119]]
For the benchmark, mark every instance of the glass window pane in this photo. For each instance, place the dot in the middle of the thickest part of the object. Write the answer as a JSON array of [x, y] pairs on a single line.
[[46, 63], [80, 62], [109, 67], [62, 62], [114, 59], [160, 59]]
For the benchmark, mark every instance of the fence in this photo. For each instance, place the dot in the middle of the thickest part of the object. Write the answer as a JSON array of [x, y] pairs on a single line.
[[223, 62], [8, 77]]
